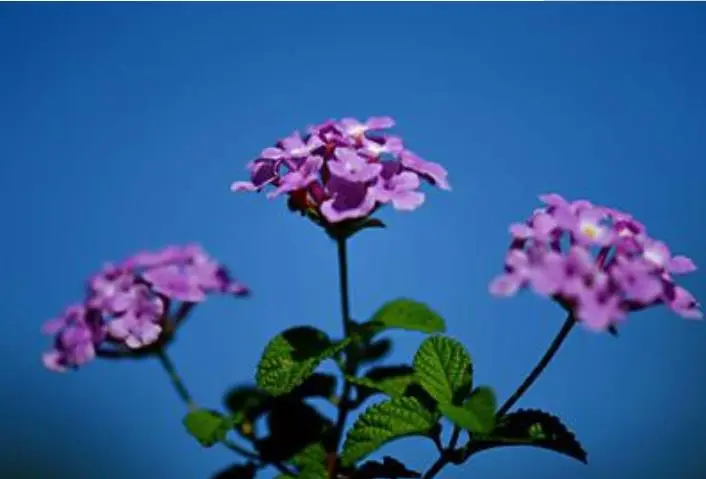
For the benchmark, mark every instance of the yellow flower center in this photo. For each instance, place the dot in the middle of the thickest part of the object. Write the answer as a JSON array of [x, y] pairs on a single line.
[[590, 230]]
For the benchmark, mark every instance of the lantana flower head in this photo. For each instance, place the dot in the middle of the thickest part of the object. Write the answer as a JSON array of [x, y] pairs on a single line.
[[343, 170], [127, 305], [597, 262]]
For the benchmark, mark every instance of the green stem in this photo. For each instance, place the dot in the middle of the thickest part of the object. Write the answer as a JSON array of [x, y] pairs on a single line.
[[445, 455], [454, 438], [185, 396], [437, 466], [539, 367], [175, 379], [240, 450], [350, 367], [343, 285]]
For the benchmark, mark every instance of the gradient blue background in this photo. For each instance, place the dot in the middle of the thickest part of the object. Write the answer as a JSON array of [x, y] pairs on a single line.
[[122, 127]]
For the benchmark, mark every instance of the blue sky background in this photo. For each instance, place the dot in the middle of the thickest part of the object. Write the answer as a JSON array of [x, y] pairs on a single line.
[[122, 127]]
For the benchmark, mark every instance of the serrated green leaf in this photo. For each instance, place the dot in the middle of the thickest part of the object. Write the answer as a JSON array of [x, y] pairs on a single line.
[[207, 427], [477, 414], [534, 428], [313, 456], [384, 422], [317, 473], [443, 368], [390, 380], [405, 314], [291, 357]]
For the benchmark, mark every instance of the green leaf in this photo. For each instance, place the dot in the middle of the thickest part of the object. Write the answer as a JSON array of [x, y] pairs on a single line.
[[317, 385], [384, 422], [390, 380], [313, 456], [405, 314], [443, 368], [534, 428], [477, 413], [291, 357], [208, 427], [313, 473]]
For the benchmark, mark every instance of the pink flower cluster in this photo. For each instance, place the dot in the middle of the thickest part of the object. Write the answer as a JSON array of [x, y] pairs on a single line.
[[597, 262], [127, 305], [344, 170]]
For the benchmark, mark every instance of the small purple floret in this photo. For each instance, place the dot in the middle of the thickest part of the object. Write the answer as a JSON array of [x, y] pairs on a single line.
[[595, 261], [127, 305], [340, 170]]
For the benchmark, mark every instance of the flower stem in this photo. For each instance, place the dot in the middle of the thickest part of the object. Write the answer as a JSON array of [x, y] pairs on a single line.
[[350, 366], [455, 435], [175, 379], [240, 450], [445, 455], [448, 455], [343, 285], [437, 466], [539, 367], [185, 396]]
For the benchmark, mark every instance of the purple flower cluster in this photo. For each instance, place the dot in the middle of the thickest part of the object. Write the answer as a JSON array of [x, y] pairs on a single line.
[[127, 305], [597, 262], [343, 170]]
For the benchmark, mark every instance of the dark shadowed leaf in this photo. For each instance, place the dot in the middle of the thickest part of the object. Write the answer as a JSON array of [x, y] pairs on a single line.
[[533, 428], [317, 385], [389, 468], [246, 404], [374, 351], [346, 229], [237, 471], [246, 400], [293, 426]]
